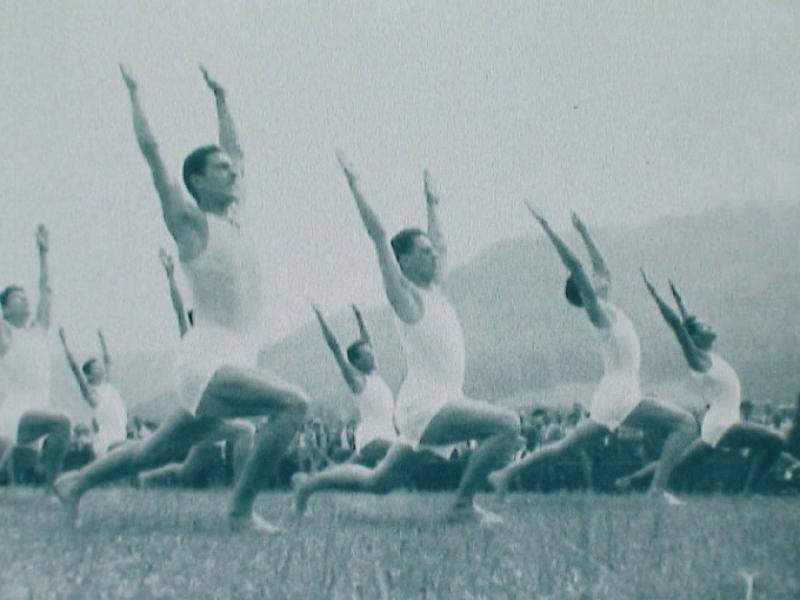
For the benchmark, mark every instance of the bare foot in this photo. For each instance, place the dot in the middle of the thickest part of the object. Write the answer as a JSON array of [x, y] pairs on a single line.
[[499, 482], [65, 488], [300, 495], [253, 523], [672, 500], [473, 512]]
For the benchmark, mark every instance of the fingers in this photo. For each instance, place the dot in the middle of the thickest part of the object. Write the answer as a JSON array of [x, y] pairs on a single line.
[[534, 212], [345, 164]]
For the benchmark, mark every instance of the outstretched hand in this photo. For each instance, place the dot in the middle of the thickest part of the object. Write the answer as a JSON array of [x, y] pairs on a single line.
[[577, 222], [649, 285], [347, 167], [130, 82], [678, 299], [166, 261], [536, 214], [212, 84], [431, 189], [43, 238], [62, 335]]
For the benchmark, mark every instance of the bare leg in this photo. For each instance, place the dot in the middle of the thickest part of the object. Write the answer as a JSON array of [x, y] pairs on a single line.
[[235, 392], [497, 430], [766, 446], [173, 438], [390, 473], [34, 425], [649, 414], [587, 434]]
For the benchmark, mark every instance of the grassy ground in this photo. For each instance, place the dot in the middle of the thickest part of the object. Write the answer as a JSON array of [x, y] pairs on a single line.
[[157, 543]]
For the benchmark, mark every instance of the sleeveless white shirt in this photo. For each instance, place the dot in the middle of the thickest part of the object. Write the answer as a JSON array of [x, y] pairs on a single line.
[[24, 377], [226, 279], [434, 345], [375, 406], [720, 389], [111, 416], [619, 344]]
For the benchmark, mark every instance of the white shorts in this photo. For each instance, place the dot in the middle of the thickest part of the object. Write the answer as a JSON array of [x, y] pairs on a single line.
[[614, 399], [14, 407], [367, 432], [203, 350], [9, 420], [418, 402], [716, 422]]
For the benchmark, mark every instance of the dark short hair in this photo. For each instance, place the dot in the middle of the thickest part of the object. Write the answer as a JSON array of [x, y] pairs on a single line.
[[88, 365], [195, 164], [573, 292], [403, 242], [354, 350], [7, 293]]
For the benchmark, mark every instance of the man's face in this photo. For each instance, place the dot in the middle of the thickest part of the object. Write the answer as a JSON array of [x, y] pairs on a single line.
[[703, 335], [96, 373], [421, 262], [219, 184], [17, 308]]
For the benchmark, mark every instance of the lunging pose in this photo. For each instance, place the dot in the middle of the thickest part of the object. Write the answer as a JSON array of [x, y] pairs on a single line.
[[431, 410], [216, 372], [719, 386], [617, 399], [26, 416], [110, 418], [375, 432]]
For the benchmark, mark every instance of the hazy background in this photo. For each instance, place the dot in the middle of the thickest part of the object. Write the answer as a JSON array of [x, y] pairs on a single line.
[[623, 111]]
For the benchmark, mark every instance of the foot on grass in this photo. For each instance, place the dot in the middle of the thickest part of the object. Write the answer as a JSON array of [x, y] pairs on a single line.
[[472, 512], [499, 482], [252, 523], [672, 500], [66, 489]]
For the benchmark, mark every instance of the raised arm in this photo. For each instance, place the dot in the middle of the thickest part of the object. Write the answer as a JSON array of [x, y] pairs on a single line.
[[399, 292], [696, 360], [597, 314], [354, 380], [434, 225], [362, 326], [174, 292], [599, 265], [678, 301], [86, 392], [228, 139], [106, 355], [182, 218], [45, 291]]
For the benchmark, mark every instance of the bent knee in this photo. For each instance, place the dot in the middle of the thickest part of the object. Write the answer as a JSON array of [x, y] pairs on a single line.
[[297, 402]]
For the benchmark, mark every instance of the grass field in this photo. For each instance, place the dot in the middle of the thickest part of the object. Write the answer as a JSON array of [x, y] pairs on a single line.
[[151, 544]]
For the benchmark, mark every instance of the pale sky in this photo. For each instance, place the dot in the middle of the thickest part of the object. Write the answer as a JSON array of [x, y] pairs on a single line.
[[624, 111]]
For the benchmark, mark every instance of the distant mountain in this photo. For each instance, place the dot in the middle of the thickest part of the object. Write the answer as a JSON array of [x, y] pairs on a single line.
[[738, 268]]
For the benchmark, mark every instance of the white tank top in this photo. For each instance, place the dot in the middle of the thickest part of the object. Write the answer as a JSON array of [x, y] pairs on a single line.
[[434, 345], [226, 279], [719, 386], [375, 402], [25, 369], [110, 412], [619, 345]]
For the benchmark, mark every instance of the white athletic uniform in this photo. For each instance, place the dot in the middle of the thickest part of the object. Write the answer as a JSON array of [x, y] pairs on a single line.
[[618, 392], [111, 417], [24, 377], [225, 280], [435, 363], [376, 408], [720, 388]]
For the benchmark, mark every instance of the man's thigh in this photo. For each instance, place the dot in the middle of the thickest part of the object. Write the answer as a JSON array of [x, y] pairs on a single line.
[[35, 424], [749, 435], [237, 392], [467, 419], [650, 414], [176, 435]]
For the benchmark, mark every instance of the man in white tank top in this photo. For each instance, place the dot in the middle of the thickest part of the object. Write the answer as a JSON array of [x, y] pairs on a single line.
[[431, 410], [239, 432], [217, 375], [719, 387], [373, 397], [110, 417], [617, 399], [25, 412]]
